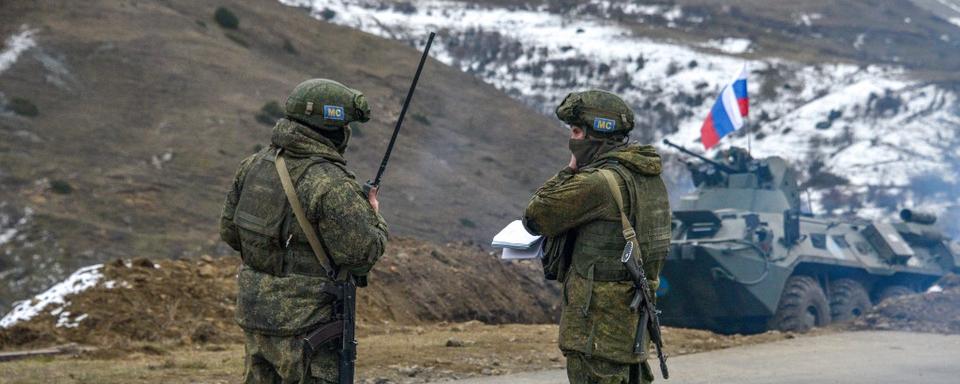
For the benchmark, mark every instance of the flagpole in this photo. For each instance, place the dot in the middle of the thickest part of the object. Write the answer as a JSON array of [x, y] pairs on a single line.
[[747, 121]]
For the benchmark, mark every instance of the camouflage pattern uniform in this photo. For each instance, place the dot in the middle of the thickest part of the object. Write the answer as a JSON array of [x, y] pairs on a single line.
[[576, 210], [281, 282]]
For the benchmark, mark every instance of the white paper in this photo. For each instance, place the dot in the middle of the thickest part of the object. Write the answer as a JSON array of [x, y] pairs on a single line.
[[515, 236], [533, 252]]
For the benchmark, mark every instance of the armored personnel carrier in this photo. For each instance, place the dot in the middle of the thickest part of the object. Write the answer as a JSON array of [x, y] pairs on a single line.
[[744, 260]]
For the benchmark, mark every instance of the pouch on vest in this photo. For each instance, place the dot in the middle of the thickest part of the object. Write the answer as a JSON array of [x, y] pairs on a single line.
[[556, 255], [260, 216], [598, 248]]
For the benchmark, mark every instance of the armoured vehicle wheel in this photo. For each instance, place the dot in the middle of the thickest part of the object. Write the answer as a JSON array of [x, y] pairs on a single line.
[[848, 300], [802, 306], [893, 291]]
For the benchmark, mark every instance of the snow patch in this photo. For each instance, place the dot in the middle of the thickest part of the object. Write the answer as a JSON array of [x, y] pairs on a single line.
[[159, 160], [954, 21], [8, 234], [861, 39], [65, 320], [114, 284], [669, 13], [55, 297], [935, 289], [729, 45], [16, 45], [949, 4], [807, 19]]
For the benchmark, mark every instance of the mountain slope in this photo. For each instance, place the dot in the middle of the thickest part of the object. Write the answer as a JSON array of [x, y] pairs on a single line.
[[861, 96], [144, 109]]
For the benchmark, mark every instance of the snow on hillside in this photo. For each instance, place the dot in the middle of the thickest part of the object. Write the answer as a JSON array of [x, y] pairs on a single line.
[[54, 300], [865, 137], [9, 226], [14, 46]]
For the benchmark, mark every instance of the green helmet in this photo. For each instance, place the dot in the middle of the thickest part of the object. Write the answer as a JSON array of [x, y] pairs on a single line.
[[601, 113], [326, 105]]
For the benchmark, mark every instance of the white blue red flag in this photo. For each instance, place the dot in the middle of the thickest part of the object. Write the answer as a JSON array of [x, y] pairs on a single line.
[[728, 111]]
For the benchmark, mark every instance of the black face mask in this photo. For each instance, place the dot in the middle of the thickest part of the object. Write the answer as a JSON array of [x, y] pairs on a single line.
[[342, 145], [339, 138], [588, 149]]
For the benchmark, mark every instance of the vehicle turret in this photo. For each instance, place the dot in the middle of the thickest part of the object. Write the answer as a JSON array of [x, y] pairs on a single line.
[[739, 181]]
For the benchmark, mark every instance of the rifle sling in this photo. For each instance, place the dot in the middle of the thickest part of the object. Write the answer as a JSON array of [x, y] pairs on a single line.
[[298, 211], [631, 236], [628, 232]]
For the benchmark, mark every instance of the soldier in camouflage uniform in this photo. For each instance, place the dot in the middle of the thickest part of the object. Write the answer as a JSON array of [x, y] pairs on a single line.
[[578, 214], [281, 296]]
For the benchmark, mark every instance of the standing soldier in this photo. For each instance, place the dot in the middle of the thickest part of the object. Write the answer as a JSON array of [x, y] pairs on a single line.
[[282, 295], [578, 212]]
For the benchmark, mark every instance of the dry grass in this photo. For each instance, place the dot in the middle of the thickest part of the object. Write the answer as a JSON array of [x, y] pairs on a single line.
[[403, 354]]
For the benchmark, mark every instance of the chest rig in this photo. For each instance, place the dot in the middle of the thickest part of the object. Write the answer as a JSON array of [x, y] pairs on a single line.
[[272, 242], [599, 244]]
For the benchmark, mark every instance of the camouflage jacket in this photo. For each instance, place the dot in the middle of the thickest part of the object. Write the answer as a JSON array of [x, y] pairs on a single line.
[[281, 282], [596, 319]]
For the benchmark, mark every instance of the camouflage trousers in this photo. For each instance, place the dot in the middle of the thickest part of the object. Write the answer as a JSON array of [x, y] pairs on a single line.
[[589, 370], [280, 360]]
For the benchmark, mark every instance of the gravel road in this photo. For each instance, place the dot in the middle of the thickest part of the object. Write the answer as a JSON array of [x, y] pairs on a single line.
[[848, 358]]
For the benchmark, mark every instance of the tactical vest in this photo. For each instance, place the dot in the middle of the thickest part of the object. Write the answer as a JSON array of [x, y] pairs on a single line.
[[281, 287], [599, 244], [272, 242]]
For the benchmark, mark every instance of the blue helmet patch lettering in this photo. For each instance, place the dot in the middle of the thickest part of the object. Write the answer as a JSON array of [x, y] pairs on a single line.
[[604, 125], [333, 112]]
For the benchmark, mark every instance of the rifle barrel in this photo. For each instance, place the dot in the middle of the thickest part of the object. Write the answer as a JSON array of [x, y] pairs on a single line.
[[403, 111]]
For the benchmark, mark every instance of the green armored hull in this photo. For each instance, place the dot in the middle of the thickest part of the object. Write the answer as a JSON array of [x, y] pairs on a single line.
[[744, 260]]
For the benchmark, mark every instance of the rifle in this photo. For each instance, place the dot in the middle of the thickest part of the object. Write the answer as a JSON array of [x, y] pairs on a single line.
[[375, 183], [343, 328], [649, 315]]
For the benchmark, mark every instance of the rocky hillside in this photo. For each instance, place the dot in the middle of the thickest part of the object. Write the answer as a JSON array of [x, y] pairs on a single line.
[[122, 122], [861, 96]]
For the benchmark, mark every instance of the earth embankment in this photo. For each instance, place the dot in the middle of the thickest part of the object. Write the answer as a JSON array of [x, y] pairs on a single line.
[[177, 302]]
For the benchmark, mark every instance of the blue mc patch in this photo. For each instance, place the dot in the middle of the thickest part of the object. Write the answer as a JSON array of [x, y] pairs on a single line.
[[333, 112], [604, 125]]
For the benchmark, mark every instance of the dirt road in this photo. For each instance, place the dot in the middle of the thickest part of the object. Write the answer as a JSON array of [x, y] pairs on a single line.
[[849, 358]]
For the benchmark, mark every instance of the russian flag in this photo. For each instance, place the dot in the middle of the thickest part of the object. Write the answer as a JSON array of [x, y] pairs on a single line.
[[728, 111]]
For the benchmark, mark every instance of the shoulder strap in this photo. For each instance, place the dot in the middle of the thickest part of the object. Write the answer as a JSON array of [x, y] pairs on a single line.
[[628, 233], [629, 200], [298, 211]]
